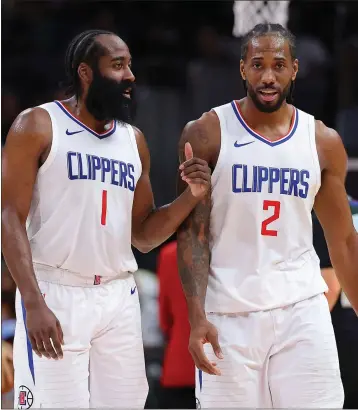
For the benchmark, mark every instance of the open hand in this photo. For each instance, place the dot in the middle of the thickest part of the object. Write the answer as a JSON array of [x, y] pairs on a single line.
[[196, 173], [201, 333], [45, 332]]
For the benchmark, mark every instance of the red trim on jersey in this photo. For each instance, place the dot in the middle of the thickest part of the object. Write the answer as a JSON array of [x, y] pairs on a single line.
[[293, 119], [84, 125]]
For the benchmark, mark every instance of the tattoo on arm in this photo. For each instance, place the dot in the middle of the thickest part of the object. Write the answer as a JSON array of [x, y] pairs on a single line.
[[193, 251], [193, 235]]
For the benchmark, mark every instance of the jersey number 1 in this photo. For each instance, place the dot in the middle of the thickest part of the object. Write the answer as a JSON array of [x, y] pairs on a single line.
[[104, 208], [276, 205]]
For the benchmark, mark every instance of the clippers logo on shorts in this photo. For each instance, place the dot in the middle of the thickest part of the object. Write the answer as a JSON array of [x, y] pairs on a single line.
[[97, 280], [26, 398]]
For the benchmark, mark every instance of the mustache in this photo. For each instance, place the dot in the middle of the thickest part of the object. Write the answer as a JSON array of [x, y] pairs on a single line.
[[268, 87], [125, 85]]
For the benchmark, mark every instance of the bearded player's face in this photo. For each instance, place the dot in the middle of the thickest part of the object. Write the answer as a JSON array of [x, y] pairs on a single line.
[[110, 95], [268, 71]]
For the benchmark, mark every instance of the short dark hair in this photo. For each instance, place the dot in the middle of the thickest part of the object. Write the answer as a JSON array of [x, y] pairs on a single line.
[[83, 48], [265, 29]]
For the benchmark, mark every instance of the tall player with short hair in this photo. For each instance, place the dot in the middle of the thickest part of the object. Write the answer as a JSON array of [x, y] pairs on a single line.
[[246, 259], [76, 194]]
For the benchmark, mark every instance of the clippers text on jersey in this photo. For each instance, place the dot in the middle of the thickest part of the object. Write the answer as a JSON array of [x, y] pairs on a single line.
[[285, 181], [93, 167]]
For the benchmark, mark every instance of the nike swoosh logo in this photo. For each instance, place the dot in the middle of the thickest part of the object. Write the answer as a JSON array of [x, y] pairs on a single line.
[[133, 290], [73, 132], [236, 145]]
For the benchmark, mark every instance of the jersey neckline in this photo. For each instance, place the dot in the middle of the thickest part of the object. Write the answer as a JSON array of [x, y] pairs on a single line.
[[77, 121], [262, 138]]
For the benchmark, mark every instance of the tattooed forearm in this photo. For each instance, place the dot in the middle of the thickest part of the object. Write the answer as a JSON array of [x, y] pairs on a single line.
[[193, 235], [193, 251]]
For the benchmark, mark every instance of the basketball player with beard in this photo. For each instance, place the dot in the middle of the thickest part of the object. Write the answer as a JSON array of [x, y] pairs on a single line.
[[261, 332], [76, 195]]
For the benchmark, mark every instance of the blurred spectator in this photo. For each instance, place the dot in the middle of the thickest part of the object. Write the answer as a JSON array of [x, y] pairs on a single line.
[[7, 336], [214, 75], [7, 370], [313, 74], [178, 377], [147, 283], [315, 69], [344, 319]]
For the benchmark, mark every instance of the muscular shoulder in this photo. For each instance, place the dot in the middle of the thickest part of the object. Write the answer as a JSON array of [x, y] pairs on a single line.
[[204, 137], [325, 134], [31, 127], [330, 148]]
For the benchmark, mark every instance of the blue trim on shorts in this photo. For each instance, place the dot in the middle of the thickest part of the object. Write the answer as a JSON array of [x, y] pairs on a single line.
[[200, 379], [29, 347]]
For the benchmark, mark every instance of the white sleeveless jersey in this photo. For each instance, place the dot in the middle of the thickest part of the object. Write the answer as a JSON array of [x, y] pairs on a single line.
[[262, 255], [81, 210]]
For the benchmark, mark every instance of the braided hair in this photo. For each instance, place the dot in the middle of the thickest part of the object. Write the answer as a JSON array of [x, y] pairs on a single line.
[[83, 48], [265, 29]]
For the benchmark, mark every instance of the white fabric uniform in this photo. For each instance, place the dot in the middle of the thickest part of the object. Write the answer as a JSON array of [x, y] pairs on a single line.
[[79, 228], [265, 286]]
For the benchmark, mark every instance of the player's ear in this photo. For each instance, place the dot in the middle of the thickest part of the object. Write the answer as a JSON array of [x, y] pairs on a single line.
[[295, 69], [85, 73], [242, 70]]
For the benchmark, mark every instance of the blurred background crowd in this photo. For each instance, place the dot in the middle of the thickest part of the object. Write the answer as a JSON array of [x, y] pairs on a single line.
[[186, 60]]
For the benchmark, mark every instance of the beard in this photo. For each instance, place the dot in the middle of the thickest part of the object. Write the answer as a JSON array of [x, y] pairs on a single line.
[[106, 102], [267, 107]]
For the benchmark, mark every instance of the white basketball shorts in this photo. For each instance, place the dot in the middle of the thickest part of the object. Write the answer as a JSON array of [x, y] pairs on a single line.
[[281, 358], [103, 363]]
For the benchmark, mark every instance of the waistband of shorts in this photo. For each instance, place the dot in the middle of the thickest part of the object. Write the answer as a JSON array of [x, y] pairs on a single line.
[[64, 277]]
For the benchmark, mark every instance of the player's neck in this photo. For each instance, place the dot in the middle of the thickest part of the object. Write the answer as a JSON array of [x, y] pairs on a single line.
[[254, 117], [78, 109]]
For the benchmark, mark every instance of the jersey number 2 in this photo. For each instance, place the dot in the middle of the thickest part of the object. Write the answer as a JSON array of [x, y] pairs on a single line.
[[276, 205], [104, 208]]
